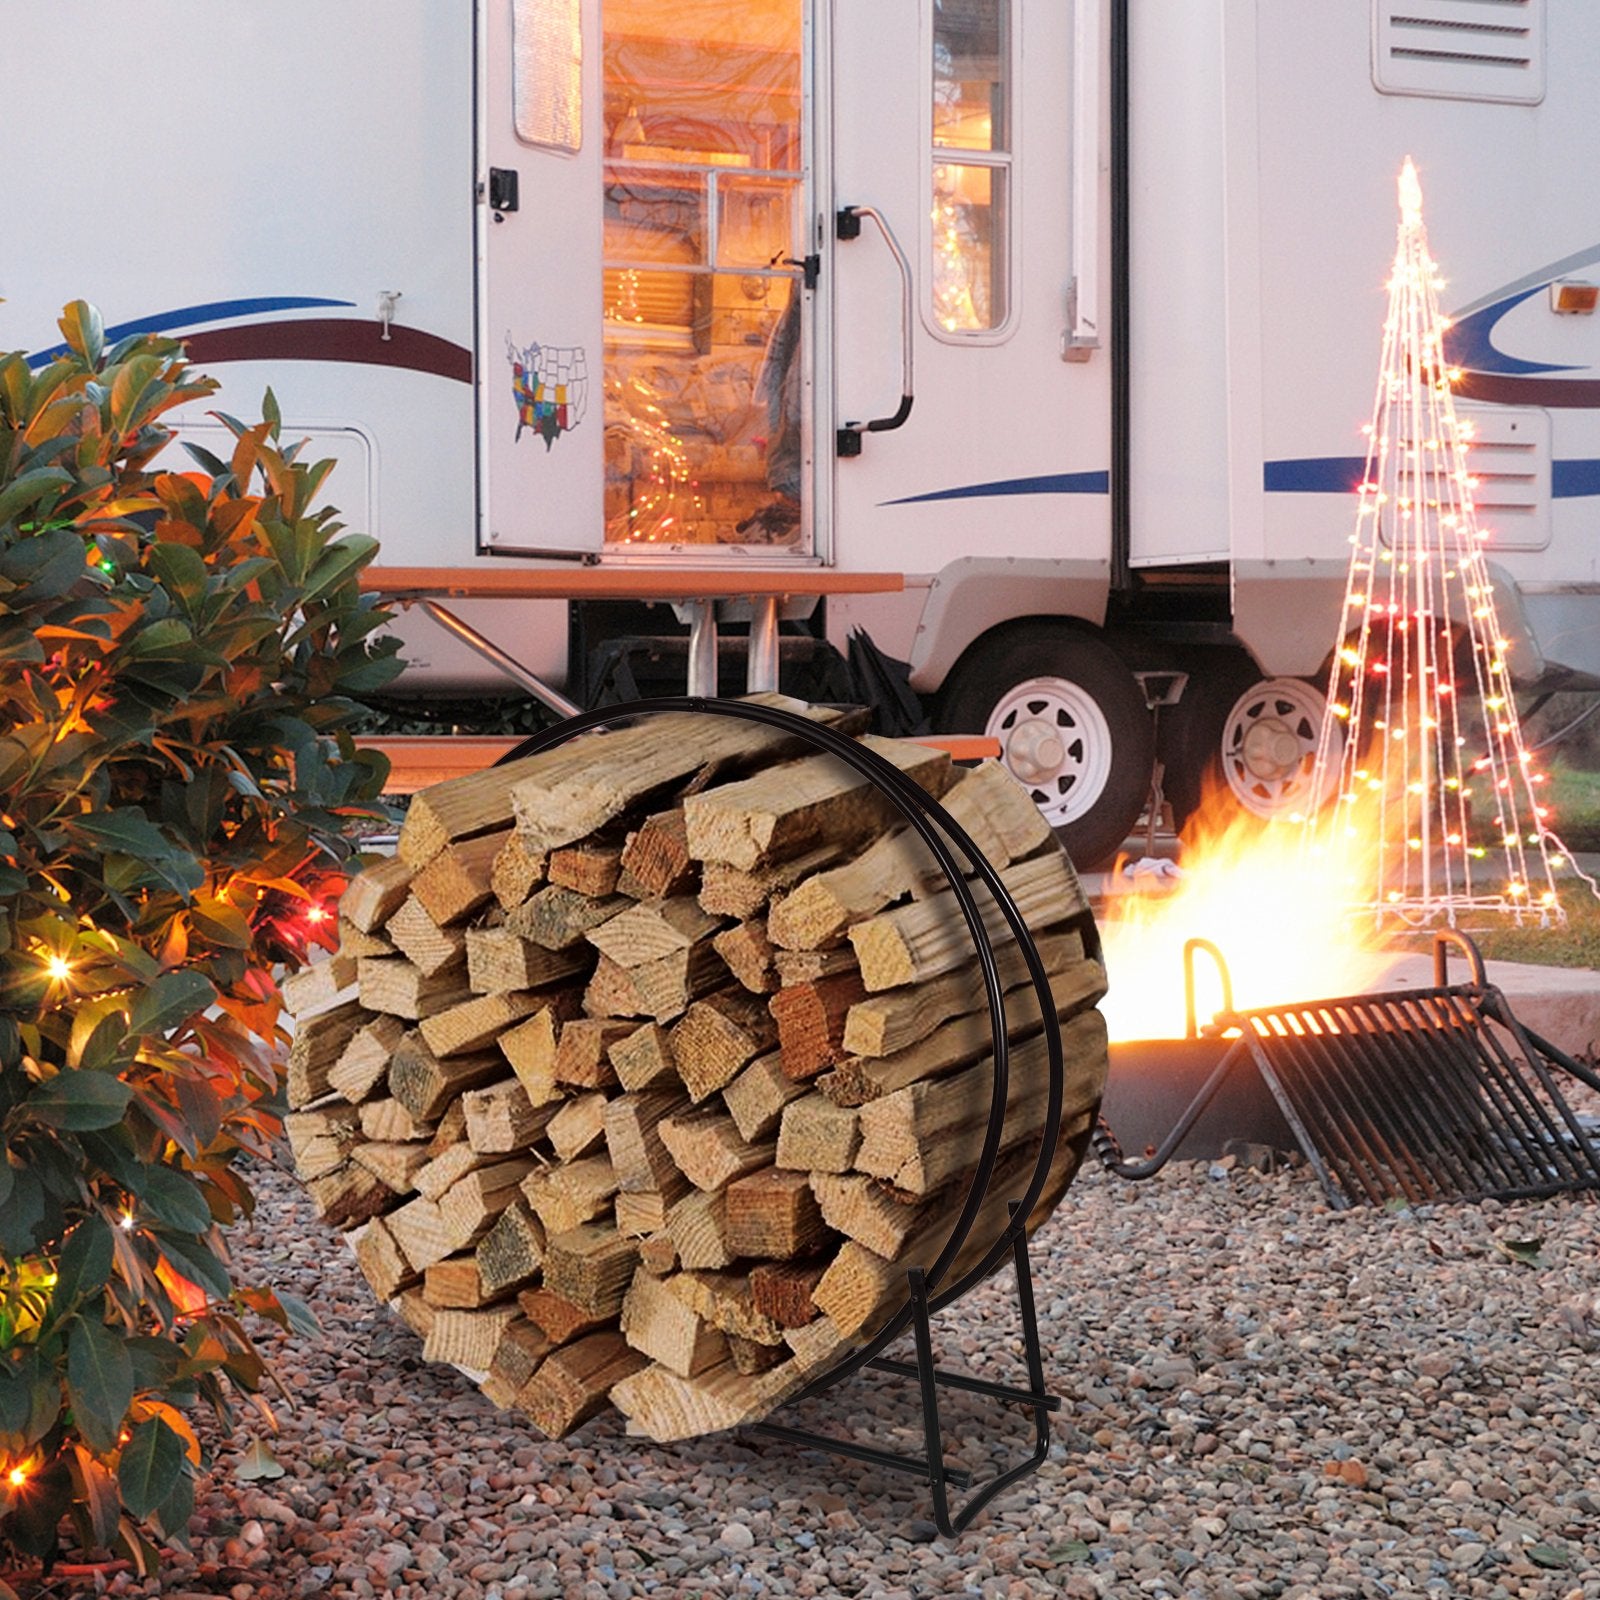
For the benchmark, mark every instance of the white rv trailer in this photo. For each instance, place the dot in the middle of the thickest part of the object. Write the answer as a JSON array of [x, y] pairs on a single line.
[[1066, 309]]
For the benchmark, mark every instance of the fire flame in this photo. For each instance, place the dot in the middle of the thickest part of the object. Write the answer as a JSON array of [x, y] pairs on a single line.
[[1278, 914]]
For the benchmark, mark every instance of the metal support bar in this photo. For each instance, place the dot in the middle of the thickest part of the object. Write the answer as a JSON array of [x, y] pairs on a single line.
[[492, 653], [702, 647], [761, 665]]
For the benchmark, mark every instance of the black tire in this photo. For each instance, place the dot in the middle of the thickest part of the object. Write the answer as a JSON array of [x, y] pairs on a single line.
[[1191, 731], [1097, 719]]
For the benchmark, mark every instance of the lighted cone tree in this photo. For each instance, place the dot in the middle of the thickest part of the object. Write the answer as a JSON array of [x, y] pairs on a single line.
[[1437, 799]]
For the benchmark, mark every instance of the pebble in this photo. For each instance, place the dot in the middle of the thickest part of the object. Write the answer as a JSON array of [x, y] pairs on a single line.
[[736, 1536]]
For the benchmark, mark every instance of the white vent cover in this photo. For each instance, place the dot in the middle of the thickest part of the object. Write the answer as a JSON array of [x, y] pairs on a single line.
[[1460, 49], [1510, 458]]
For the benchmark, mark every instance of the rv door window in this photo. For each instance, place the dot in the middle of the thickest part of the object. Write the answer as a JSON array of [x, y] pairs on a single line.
[[969, 262], [547, 73]]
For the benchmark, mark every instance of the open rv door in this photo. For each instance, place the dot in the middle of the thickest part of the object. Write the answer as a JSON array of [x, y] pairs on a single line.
[[541, 430]]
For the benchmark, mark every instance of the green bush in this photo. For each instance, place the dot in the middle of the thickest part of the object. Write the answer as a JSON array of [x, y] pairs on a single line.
[[177, 657]]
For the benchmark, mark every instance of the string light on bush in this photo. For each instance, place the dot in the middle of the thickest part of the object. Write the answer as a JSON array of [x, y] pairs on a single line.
[[1446, 804]]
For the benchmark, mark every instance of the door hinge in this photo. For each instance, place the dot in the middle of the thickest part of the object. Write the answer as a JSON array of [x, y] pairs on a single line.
[[502, 189]]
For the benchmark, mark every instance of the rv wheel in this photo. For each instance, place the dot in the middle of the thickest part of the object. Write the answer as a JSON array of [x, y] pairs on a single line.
[[1268, 749], [1072, 727]]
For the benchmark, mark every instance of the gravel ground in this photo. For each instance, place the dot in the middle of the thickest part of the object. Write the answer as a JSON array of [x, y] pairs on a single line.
[[1260, 1397]]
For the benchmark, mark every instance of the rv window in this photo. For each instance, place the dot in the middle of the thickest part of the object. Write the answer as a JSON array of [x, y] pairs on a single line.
[[547, 73], [970, 215]]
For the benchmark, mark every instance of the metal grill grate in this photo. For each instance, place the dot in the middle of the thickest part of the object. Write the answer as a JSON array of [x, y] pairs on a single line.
[[1418, 1095]]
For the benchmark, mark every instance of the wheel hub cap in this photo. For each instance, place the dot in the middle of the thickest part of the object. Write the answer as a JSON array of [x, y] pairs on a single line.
[[1034, 751], [1271, 750]]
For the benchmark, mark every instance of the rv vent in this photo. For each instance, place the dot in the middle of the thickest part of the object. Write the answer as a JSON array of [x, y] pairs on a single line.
[[1510, 458], [1460, 49]]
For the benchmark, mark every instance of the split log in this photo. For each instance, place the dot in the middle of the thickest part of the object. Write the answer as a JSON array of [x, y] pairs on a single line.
[[319, 985], [811, 1022], [458, 880], [589, 868], [364, 1062], [729, 891], [574, 1382], [399, 987], [517, 872], [749, 955], [499, 960], [655, 859], [717, 1036], [658, 1324], [373, 896], [427, 946], [319, 1041], [557, 918]]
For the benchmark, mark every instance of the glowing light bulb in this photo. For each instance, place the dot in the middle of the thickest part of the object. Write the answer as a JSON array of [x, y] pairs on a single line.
[[57, 968], [17, 1476]]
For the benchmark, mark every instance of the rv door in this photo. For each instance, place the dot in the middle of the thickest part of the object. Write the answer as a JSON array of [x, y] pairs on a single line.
[[541, 428]]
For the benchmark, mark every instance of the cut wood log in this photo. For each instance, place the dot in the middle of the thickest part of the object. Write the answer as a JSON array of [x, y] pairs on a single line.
[[373, 896], [773, 1215], [499, 960], [414, 1311], [419, 1229], [393, 1165], [717, 1036], [867, 1211], [756, 1098], [643, 1060], [811, 1022], [578, 1126], [321, 1139], [999, 814], [517, 871], [471, 1204], [695, 1225], [661, 989], [510, 1254], [530, 1047], [815, 1135], [319, 985], [558, 919], [582, 1052], [467, 1338], [501, 1118], [399, 987], [381, 1260], [450, 1131], [729, 891], [424, 1084], [661, 1326], [655, 860], [723, 1299], [819, 911], [458, 880], [350, 1195], [748, 953], [651, 929], [574, 1381], [387, 1119], [589, 867], [429, 948], [633, 1140], [567, 1196], [448, 1167], [811, 966], [364, 1062], [643, 1214], [919, 941], [856, 1284], [353, 942], [523, 1346], [455, 1282], [657, 1253], [792, 808], [749, 1357], [659, 1403], [781, 1291], [706, 1147], [557, 1317], [319, 1041], [591, 1266], [475, 1025]]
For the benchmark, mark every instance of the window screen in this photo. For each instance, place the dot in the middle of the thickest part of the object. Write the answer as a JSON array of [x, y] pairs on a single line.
[[547, 73]]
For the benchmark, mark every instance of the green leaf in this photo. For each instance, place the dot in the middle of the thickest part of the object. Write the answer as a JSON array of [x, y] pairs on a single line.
[[81, 326], [171, 1198], [85, 1264], [258, 1462], [76, 1100], [1525, 1252], [130, 389], [98, 1491], [197, 1262], [152, 1461], [29, 488], [1072, 1552], [105, 1039], [172, 1515], [172, 999], [127, 830], [302, 1319], [44, 567], [22, 1216], [222, 923], [180, 569], [99, 1382]]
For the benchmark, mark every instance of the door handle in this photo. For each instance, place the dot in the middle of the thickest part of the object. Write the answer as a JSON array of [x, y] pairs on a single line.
[[847, 225]]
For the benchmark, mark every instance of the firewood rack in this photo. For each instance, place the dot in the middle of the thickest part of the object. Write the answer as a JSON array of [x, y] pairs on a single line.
[[1412, 1096], [927, 1292]]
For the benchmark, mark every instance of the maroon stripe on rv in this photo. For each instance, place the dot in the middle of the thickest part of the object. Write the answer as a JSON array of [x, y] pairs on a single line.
[[1506, 390], [332, 339]]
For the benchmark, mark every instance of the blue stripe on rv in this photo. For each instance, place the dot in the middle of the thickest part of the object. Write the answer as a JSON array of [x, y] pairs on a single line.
[[188, 316], [1049, 483], [1569, 480]]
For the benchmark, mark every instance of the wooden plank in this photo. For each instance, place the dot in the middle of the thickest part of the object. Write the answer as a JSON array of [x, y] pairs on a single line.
[[717, 1036], [723, 1299], [785, 810], [919, 941], [773, 1215], [863, 1209], [643, 1213], [321, 1139], [812, 966], [353, 942], [659, 1325], [419, 1229], [815, 1135], [574, 1381], [457, 881], [856, 1288], [999, 814], [414, 1311], [430, 948], [661, 989], [371, 897], [448, 1167]]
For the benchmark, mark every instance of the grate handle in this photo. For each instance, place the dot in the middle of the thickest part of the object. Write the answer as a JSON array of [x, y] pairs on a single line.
[[1191, 947], [1442, 940]]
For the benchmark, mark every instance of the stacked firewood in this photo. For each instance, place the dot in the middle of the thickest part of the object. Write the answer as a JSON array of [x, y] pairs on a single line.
[[649, 1064]]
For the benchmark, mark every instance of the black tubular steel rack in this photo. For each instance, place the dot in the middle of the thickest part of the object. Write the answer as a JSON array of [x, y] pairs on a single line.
[[927, 1291]]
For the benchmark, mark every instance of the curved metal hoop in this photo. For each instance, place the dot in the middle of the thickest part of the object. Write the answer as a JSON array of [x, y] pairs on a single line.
[[923, 813]]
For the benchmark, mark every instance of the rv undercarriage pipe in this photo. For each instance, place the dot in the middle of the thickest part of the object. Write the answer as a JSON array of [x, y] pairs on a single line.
[[492, 653]]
